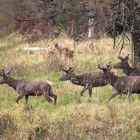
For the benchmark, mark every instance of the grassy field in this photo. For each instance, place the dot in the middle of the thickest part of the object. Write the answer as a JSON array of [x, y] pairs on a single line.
[[74, 117]]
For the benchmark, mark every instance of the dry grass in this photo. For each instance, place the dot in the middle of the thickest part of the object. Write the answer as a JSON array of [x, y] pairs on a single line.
[[74, 117]]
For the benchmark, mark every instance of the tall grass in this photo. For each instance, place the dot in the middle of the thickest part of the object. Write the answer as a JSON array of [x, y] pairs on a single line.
[[74, 117]]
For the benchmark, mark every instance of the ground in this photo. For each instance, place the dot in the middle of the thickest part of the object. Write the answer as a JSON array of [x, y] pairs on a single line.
[[73, 117]]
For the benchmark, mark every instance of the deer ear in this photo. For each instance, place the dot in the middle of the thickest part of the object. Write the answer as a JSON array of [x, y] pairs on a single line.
[[121, 58], [61, 67]]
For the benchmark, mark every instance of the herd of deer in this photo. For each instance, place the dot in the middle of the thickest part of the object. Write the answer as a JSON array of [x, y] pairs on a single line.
[[129, 84]]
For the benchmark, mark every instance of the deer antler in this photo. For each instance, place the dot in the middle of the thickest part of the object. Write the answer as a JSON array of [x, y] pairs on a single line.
[[108, 64], [106, 67], [61, 67], [102, 68], [71, 69], [7, 73]]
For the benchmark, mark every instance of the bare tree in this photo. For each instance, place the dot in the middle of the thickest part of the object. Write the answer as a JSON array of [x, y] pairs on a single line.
[[126, 18], [91, 26]]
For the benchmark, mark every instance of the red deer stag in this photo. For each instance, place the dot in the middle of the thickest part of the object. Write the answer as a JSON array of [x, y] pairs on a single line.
[[123, 85], [127, 69], [26, 88], [87, 80]]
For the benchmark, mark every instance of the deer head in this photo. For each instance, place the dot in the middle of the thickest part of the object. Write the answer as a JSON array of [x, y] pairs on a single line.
[[68, 74], [107, 73], [123, 63], [5, 75]]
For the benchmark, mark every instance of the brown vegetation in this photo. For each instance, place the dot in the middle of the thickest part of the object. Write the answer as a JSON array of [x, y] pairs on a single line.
[[64, 52]]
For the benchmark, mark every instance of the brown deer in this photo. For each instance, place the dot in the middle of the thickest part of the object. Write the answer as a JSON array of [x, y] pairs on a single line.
[[127, 69], [63, 51], [87, 80], [26, 88], [123, 85]]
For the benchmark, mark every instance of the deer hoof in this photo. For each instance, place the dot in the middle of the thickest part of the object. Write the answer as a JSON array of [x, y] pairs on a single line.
[[17, 102]]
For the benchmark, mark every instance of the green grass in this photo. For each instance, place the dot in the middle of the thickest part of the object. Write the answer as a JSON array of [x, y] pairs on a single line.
[[74, 116]]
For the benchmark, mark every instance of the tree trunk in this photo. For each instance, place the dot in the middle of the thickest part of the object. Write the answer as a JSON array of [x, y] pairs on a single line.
[[136, 44], [91, 32]]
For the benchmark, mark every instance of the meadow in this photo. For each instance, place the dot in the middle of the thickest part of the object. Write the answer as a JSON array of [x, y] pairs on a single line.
[[74, 117]]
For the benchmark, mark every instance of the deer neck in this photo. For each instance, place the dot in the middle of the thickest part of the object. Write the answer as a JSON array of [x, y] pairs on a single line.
[[112, 79], [12, 83], [76, 79], [127, 70]]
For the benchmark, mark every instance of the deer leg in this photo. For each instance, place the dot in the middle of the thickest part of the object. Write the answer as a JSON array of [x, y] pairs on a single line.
[[26, 98], [18, 98], [53, 95], [48, 99], [45, 94], [90, 91], [85, 88], [129, 97], [113, 95]]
